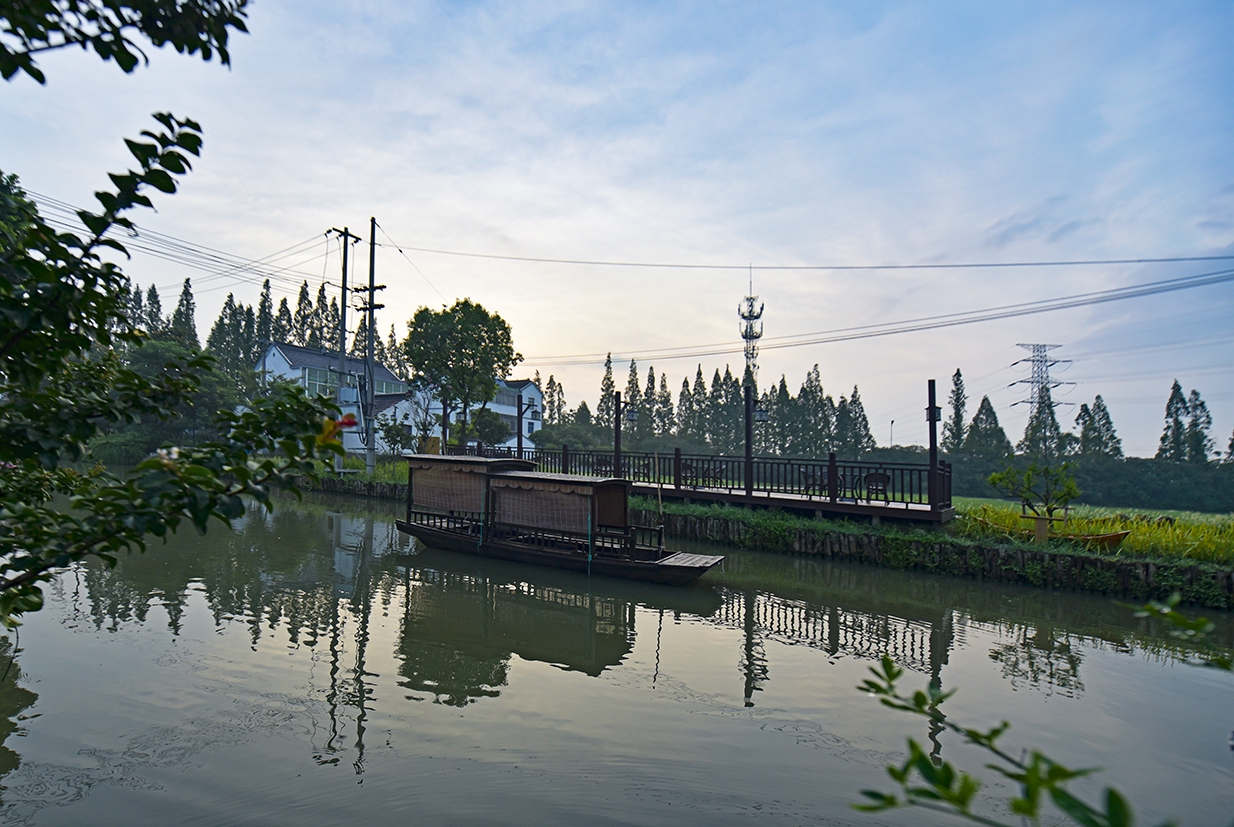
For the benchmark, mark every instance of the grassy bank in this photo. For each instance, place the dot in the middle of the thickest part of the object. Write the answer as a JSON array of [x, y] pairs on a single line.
[[1169, 537]]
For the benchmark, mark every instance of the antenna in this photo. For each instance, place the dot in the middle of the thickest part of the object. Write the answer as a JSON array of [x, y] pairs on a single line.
[[751, 326]]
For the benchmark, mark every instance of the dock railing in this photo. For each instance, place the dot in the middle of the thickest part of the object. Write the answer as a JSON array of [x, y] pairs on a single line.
[[907, 485]]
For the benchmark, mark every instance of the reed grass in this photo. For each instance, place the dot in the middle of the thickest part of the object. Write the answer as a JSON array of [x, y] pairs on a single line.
[[1178, 534]]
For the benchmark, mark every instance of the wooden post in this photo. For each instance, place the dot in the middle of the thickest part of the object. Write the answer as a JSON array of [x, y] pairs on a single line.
[[519, 408], [565, 458], [749, 400], [833, 472], [409, 497], [677, 468], [616, 433], [932, 416]]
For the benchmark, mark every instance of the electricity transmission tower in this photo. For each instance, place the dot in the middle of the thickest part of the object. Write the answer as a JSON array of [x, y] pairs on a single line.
[[751, 327], [1039, 378]]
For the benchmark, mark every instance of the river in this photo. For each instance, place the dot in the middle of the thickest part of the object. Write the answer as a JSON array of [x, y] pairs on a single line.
[[313, 667]]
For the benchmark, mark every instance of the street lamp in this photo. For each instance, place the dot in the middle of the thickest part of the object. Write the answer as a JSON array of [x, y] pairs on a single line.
[[530, 407]]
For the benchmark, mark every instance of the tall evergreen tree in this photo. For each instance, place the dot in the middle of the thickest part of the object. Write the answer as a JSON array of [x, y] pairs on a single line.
[[183, 326], [647, 420], [359, 342], [861, 440], [1173, 444], [714, 412], [393, 357], [281, 329], [985, 437], [953, 428], [551, 414], [815, 427], [221, 342], [685, 411], [319, 320], [265, 316], [633, 396], [1097, 436], [137, 308], [330, 333], [154, 311], [698, 407], [1229, 451], [1199, 421], [250, 348], [1042, 435], [664, 408], [604, 409], [302, 321]]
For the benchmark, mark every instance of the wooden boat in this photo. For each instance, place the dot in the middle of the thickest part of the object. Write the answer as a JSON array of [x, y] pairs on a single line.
[[503, 508]]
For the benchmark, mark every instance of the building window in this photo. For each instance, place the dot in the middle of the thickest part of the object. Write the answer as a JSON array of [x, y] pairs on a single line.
[[531, 427]]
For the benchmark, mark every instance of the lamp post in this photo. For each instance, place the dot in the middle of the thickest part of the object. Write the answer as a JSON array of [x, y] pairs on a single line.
[[752, 415], [530, 407], [933, 415], [631, 415]]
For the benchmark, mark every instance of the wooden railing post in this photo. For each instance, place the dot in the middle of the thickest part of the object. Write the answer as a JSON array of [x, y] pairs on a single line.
[[833, 472], [749, 464], [677, 468], [933, 414], [565, 458]]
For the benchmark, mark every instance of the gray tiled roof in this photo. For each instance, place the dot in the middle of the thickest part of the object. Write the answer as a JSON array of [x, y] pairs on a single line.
[[308, 357]]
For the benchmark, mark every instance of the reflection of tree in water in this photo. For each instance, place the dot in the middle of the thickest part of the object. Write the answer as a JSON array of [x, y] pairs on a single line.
[[14, 700], [1040, 658], [460, 630]]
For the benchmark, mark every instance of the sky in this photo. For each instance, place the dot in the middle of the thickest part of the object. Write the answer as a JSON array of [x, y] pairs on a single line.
[[741, 136]]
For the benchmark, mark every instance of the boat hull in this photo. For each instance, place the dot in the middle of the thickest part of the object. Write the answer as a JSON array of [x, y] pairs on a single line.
[[674, 570]]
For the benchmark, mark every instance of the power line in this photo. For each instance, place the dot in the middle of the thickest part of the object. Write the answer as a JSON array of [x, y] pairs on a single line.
[[409, 261], [828, 267], [916, 325]]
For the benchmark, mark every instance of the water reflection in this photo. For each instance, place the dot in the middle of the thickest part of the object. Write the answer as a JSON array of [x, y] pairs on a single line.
[[316, 575]]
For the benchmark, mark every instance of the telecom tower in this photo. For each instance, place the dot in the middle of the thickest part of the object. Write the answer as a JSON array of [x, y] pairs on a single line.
[[1041, 363], [751, 327]]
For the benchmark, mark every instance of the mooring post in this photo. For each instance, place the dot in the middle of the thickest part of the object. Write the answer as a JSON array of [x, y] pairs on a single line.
[[933, 414]]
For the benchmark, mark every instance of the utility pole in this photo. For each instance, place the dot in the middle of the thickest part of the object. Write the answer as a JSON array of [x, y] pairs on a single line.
[[370, 457], [346, 235], [1039, 379]]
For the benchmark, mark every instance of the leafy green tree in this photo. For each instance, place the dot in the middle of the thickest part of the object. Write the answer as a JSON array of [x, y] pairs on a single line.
[[986, 438], [460, 352], [106, 26], [1097, 436], [1199, 421], [1043, 489], [66, 316], [604, 409], [183, 325], [489, 429], [953, 428], [1173, 444]]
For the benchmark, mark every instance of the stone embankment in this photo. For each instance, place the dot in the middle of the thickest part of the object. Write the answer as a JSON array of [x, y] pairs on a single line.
[[1055, 568]]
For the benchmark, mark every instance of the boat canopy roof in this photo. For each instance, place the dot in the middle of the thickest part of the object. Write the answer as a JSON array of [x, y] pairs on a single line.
[[552, 482], [481, 465]]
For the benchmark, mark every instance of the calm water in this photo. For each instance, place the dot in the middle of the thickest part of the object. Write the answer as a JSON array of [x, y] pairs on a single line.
[[315, 668]]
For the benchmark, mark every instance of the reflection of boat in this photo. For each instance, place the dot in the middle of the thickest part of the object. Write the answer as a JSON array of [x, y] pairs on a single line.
[[701, 601], [502, 508]]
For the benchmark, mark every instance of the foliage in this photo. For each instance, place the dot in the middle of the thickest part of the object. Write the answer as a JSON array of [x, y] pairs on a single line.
[[953, 428], [934, 784], [394, 433], [1193, 631], [1097, 436], [67, 316], [1186, 437], [1042, 489], [489, 428], [37, 26], [1043, 438], [458, 353], [1197, 537], [985, 437]]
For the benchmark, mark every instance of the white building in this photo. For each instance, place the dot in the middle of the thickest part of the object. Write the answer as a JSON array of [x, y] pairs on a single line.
[[317, 371]]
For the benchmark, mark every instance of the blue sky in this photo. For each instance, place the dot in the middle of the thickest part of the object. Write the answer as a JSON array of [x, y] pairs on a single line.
[[719, 133]]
